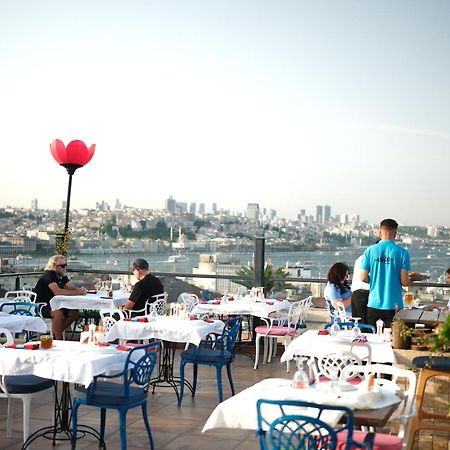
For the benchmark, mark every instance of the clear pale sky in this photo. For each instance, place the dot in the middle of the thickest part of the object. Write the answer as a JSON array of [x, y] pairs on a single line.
[[286, 103]]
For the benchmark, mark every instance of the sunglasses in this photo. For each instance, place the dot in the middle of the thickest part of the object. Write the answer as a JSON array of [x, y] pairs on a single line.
[[61, 265]]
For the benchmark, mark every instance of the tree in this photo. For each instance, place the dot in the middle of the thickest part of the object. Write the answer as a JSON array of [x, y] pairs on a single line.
[[273, 277]]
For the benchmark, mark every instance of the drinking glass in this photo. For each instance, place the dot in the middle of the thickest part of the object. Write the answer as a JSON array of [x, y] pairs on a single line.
[[409, 297], [356, 331], [335, 327]]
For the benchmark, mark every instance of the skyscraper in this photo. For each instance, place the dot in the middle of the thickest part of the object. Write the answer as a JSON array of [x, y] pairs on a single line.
[[171, 204], [319, 214], [326, 213], [193, 208], [252, 211], [214, 208], [34, 204], [201, 208]]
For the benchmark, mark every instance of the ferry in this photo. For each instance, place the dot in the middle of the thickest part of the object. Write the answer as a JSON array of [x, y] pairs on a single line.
[[176, 258], [77, 264]]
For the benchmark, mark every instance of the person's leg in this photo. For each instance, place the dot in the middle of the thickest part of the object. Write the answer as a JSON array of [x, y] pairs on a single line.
[[359, 304], [70, 315], [373, 315], [57, 323]]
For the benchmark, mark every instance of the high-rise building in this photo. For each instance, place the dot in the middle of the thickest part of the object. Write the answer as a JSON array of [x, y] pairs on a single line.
[[252, 211], [193, 208], [214, 208], [171, 204], [34, 204], [118, 204], [326, 213], [201, 208], [319, 214], [273, 214]]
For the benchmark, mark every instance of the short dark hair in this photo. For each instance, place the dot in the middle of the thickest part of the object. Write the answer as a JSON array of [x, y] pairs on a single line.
[[390, 224], [336, 274], [140, 263]]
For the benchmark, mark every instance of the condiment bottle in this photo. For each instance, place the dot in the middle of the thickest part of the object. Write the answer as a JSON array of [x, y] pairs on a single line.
[[380, 325]]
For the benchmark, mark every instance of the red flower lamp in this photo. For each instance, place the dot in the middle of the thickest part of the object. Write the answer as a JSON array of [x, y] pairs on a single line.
[[72, 157]]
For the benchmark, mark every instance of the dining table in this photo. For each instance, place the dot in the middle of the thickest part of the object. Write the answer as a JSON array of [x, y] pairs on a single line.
[[371, 407], [17, 324], [90, 301], [66, 362], [172, 330], [313, 343]]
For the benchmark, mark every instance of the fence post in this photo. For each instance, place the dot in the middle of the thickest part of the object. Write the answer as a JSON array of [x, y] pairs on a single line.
[[17, 283], [259, 261]]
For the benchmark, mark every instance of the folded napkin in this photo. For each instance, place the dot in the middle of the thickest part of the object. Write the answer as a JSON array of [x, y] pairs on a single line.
[[204, 303], [323, 332], [361, 339], [29, 346], [193, 318], [136, 319], [208, 320], [269, 303], [216, 302], [123, 348], [230, 299]]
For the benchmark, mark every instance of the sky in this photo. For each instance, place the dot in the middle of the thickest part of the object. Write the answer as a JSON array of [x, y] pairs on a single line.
[[288, 104]]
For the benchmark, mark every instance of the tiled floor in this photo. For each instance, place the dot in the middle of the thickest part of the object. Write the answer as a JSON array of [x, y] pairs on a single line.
[[180, 428]]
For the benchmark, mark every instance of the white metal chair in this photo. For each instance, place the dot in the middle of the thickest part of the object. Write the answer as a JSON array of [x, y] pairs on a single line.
[[402, 381], [23, 387], [155, 303], [271, 331], [22, 295], [190, 301]]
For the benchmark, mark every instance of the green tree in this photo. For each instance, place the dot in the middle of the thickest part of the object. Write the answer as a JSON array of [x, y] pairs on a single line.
[[273, 277]]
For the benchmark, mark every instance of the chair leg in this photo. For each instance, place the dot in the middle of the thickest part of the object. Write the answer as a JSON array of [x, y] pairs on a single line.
[[194, 381], [230, 378], [75, 406], [258, 338], [285, 347], [180, 394], [102, 423], [147, 425], [219, 382], [26, 400], [269, 355], [265, 349], [10, 417], [123, 428]]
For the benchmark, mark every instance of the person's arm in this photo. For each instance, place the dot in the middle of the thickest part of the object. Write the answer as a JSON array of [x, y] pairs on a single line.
[[404, 277], [72, 290], [128, 305], [364, 275]]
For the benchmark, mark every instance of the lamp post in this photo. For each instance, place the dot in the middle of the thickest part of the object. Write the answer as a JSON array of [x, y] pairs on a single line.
[[72, 157]]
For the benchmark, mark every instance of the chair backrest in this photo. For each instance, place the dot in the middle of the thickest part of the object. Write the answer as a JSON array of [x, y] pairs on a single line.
[[157, 304], [21, 308], [286, 424], [229, 335], [190, 301], [9, 336], [298, 312], [23, 295], [106, 312], [402, 380], [332, 364], [137, 369]]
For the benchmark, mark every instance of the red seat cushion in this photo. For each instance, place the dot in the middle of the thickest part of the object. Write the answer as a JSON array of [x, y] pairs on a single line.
[[275, 331], [382, 441]]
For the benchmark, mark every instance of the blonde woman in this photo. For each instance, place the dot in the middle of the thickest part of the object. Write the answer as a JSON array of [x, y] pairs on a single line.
[[53, 282]]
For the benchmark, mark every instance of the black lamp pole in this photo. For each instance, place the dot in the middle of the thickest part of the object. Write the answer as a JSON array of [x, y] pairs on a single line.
[[70, 170]]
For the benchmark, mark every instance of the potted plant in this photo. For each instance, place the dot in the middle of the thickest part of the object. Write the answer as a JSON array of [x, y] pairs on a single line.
[[401, 335], [439, 341]]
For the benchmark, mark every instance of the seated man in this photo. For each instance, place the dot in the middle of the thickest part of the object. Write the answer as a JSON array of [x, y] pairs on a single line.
[[147, 286], [53, 282]]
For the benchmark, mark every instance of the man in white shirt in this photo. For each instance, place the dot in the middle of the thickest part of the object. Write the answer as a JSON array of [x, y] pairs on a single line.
[[360, 293]]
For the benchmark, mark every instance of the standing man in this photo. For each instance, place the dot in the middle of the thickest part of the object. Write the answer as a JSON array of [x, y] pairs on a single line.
[[386, 267], [147, 286], [360, 292], [53, 282]]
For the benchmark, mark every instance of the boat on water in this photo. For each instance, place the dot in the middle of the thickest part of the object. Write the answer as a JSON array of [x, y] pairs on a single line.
[[176, 258], [77, 264]]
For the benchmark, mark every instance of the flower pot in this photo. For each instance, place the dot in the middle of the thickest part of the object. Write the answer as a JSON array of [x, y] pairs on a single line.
[[399, 341]]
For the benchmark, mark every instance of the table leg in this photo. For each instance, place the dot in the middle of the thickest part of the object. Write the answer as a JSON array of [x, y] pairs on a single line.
[[62, 419], [165, 376]]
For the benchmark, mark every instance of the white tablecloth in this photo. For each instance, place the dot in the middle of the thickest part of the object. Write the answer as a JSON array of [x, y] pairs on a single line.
[[65, 361], [260, 308], [239, 411], [167, 328], [88, 301], [16, 324], [313, 344]]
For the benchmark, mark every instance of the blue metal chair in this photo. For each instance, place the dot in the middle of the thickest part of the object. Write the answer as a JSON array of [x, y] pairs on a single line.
[[364, 327], [281, 426], [218, 352], [121, 396]]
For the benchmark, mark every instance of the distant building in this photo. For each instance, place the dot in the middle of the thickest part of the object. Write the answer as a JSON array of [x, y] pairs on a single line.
[[252, 211], [214, 208], [171, 204], [64, 204], [319, 214], [34, 204], [118, 204], [432, 231], [326, 213], [181, 207], [273, 214], [193, 208], [201, 208]]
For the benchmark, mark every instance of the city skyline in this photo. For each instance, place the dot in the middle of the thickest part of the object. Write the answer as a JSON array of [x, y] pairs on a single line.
[[288, 105]]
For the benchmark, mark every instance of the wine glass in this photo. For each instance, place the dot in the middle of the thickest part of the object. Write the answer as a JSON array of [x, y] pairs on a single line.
[[335, 327], [356, 331]]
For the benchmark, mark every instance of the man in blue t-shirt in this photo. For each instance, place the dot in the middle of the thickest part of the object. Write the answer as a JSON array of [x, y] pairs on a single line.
[[385, 266]]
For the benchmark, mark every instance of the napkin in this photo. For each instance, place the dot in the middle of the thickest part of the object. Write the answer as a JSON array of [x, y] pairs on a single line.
[[208, 320], [29, 346], [193, 318], [269, 303], [361, 339], [123, 348], [323, 332], [204, 303]]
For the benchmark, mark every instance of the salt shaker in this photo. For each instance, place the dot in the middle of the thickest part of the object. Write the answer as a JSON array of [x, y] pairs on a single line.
[[380, 325]]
